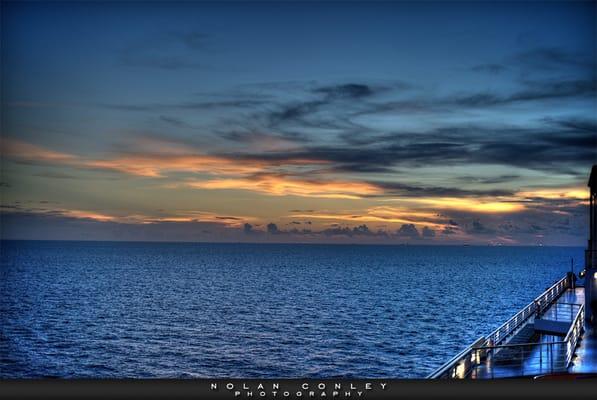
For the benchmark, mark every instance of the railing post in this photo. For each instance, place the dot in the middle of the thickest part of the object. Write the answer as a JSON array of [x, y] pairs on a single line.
[[541, 358], [522, 360], [497, 337], [492, 372], [551, 356]]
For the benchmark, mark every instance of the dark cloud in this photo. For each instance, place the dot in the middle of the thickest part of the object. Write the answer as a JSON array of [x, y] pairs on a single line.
[[483, 99], [540, 155], [535, 90], [358, 90], [514, 228], [251, 137], [408, 231], [477, 228], [337, 231], [561, 145], [538, 90], [551, 58], [329, 98], [174, 121], [588, 141], [364, 168], [554, 89], [295, 112], [489, 180], [572, 132], [365, 159], [566, 146], [349, 90], [448, 230], [394, 188], [186, 105], [536, 222], [360, 230], [44, 224], [428, 232], [272, 229], [575, 124]]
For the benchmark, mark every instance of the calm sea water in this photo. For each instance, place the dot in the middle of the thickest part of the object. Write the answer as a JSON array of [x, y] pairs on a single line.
[[105, 309]]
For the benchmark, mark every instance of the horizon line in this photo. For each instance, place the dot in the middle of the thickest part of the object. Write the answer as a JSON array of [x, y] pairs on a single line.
[[287, 243]]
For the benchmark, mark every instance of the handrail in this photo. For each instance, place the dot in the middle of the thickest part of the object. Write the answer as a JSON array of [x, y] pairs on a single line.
[[505, 346], [578, 318], [504, 330], [563, 303], [521, 359], [561, 311], [450, 366], [576, 329], [462, 361], [570, 341]]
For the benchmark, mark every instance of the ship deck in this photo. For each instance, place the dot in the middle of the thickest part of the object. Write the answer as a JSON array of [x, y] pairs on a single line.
[[547, 337], [585, 359], [530, 352]]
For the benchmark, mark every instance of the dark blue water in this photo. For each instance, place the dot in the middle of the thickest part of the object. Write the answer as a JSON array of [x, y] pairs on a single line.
[[92, 309]]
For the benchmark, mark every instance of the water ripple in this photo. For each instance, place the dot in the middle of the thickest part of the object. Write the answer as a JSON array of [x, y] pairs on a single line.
[[102, 310]]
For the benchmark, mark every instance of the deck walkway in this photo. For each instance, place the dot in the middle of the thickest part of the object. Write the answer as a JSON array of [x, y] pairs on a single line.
[[585, 358], [530, 353], [548, 336]]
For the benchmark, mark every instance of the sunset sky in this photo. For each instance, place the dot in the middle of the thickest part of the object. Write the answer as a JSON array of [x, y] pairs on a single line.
[[427, 123]]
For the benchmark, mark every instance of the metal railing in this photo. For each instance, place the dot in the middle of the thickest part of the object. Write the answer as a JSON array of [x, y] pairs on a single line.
[[461, 365], [519, 359], [576, 329], [546, 356], [534, 308], [562, 312]]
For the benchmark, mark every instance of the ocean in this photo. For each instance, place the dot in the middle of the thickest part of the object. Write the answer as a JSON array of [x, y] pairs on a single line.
[[198, 310]]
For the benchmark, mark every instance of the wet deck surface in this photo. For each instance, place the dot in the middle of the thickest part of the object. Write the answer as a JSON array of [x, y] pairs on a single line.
[[524, 361], [561, 309], [537, 359], [585, 360]]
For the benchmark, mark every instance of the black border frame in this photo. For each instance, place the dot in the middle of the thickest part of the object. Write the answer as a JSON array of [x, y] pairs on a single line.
[[579, 388]]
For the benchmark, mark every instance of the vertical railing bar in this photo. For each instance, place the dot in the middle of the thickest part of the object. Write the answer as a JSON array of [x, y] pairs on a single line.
[[494, 339]]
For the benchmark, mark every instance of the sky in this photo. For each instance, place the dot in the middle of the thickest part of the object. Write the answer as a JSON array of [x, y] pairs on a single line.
[[390, 122]]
